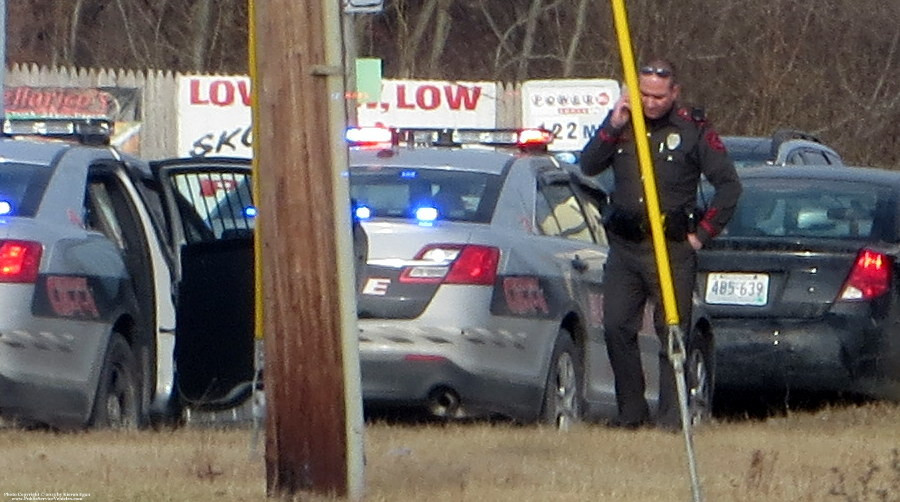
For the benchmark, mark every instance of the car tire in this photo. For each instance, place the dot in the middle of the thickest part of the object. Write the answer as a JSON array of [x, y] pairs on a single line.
[[562, 406], [117, 404], [699, 373]]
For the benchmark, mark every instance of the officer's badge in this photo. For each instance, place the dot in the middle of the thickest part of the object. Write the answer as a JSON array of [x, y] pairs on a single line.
[[673, 140]]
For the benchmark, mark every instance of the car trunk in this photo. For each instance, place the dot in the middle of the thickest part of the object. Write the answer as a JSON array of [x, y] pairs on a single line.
[[393, 246], [773, 278]]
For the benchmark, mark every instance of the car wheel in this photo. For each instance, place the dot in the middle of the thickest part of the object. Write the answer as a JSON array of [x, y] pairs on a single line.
[[699, 377], [117, 404], [562, 392]]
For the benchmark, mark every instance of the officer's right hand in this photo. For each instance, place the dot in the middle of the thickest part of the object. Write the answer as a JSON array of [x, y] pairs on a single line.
[[621, 112], [695, 242]]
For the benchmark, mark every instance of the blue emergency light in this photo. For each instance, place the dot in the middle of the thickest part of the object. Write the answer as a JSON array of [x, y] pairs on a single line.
[[5, 207], [362, 213], [426, 215], [250, 212]]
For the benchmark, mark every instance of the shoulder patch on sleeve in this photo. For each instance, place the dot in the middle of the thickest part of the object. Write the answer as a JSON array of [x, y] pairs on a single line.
[[714, 141]]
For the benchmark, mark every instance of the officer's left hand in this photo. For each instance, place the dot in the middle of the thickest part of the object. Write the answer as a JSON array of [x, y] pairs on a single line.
[[695, 242]]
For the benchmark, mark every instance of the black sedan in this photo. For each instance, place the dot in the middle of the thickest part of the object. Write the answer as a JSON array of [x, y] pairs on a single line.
[[803, 285]]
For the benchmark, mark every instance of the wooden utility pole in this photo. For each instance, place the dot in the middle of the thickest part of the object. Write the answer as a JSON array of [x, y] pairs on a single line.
[[314, 410]]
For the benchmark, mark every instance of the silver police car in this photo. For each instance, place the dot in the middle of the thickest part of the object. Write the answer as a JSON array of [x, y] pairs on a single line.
[[74, 329], [484, 288], [97, 249]]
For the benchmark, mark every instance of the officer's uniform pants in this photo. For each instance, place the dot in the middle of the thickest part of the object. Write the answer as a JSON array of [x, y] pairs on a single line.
[[631, 278]]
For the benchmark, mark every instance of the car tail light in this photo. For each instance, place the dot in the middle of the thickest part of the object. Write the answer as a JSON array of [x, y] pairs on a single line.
[[870, 276], [19, 261], [454, 264]]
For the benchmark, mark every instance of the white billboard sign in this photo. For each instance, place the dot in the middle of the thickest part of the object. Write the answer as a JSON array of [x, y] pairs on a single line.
[[432, 103], [214, 116], [571, 109]]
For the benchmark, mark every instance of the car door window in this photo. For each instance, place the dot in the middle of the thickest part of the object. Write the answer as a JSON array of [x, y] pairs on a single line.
[[813, 157], [794, 157], [543, 214], [100, 214], [595, 215], [566, 210], [214, 205], [832, 159]]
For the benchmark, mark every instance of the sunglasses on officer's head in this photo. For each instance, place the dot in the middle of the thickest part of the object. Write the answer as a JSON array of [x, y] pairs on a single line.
[[656, 70]]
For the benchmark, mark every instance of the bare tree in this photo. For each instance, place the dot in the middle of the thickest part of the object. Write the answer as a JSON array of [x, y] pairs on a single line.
[[202, 17], [412, 26], [829, 67], [570, 59]]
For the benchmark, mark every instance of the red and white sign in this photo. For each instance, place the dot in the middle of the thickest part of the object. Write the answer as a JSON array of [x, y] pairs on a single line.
[[432, 103], [572, 109], [214, 116]]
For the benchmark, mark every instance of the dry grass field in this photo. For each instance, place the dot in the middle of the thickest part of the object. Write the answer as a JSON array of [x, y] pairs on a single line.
[[840, 453]]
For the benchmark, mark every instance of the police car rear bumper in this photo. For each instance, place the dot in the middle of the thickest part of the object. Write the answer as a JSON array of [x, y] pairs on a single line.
[[450, 372], [443, 389], [59, 407]]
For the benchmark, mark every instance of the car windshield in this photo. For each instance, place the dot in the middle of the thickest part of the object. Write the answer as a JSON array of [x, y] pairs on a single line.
[[811, 208], [398, 192], [21, 188]]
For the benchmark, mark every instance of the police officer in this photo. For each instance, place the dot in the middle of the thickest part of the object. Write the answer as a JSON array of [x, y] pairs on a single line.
[[683, 146]]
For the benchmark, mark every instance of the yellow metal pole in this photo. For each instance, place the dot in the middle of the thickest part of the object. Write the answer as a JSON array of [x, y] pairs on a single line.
[[254, 125], [646, 162], [675, 348]]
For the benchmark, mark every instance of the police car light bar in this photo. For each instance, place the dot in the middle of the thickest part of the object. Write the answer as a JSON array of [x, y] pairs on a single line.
[[525, 139], [93, 131], [370, 136], [534, 137]]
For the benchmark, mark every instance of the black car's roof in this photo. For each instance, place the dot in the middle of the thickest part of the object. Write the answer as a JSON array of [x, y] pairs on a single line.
[[837, 173], [748, 143]]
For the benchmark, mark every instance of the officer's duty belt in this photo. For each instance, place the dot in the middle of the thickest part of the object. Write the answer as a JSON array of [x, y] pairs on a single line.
[[635, 227]]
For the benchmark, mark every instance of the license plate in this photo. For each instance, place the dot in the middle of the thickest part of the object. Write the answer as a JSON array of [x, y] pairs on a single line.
[[737, 289]]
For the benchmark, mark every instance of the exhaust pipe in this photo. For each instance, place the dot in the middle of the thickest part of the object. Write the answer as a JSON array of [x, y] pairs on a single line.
[[444, 403]]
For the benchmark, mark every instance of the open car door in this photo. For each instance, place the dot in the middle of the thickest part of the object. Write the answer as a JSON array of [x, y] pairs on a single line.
[[210, 217]]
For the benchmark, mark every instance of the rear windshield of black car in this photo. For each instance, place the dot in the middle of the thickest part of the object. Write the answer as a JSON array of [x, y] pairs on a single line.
[[21, 188], [808, 208], [457, 195]]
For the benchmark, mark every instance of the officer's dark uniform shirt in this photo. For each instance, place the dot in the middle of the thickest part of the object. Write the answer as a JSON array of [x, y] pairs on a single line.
[[683, 146]]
